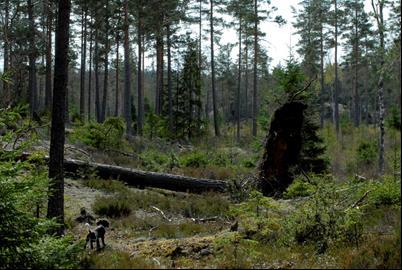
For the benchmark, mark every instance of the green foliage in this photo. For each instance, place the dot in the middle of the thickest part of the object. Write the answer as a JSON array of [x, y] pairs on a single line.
[[393, 121], [366, 153], [299, 188], [25, 242], [106, 185], [195, 159], [108, 134], [111, 207], [386, 192]]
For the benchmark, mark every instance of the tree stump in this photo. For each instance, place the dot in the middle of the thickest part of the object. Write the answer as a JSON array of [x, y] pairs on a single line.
[[282, 148]]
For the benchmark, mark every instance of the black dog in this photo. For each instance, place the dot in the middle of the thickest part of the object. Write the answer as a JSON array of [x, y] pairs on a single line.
[[98, 233]]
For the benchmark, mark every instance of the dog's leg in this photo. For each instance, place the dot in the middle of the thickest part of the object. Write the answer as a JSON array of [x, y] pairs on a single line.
[[103, 241], [97, 243]]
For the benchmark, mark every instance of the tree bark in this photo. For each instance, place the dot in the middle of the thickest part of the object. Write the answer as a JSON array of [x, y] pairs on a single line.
[[139, 80], [117, 93], [90, 73], [32, 86], [48, 86], [96, 60], [56, 156], [336, 72], [238, 86], [83, 59], [356, 99], [6, 91], [321, 71], [159, 75], [169, 77], [215, 109], [254, 101], [127, 73]]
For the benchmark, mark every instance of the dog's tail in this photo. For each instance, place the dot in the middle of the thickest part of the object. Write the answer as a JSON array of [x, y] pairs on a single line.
[[89, 226]]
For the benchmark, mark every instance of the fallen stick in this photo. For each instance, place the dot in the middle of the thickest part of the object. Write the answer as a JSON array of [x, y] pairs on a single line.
[[161, 212]]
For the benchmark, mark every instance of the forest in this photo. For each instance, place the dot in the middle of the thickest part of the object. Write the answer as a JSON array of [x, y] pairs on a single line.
[[134, 135]]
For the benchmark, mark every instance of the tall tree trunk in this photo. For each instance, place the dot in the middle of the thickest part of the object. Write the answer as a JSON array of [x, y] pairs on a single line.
[[254, 101], [83, 60], [32, 87], [159, 74], [48, 87], [378, 13], [238, 87], [356, 99], [321, 71], [336, 72], [169, 77], [96, 60], [117, 93], [6, 91], [139, 81], [90, 73], [215, 109], [106, 64], [246, 80], [56, 155], [127, 73]]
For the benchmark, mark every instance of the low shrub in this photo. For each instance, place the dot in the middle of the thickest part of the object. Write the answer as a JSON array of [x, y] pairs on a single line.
[[195, 159], [106, 185], [299, 188], [113, 207], [108, 134]]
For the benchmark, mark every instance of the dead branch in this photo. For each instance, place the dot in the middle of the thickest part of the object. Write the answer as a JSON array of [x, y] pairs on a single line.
[[161, 212]]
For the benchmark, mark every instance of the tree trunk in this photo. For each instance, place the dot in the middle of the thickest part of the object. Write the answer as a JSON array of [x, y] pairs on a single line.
[[356, 100], [56, 157], [159, 75], [83, 59], [254, 101], [32, 87], [246, 80], [96, 60], [106, 64], [90, 73], [238, 87], [336, 72], [117, 93], [127, 73], [48, 87], [169, 77], [6, 91], [139, 81], [321, 71], [215, 109], [380, 24]]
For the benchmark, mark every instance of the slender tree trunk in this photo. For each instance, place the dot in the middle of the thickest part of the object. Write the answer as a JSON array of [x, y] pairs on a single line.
[[117, 93], [246, 80], [169, 77], [139, 81], [254, 101], [6, 91], [336, 72], [321, 71], [32, 87], [48, 87], [356, 98], [83, 60], [127, 73], [96, 60], [56, 156], [90, 73], [217, 133], [238, 86], [378, 13], [106, 64], [159, 75]]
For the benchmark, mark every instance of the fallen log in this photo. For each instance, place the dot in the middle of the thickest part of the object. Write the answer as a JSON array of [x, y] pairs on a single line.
[[141, 179]]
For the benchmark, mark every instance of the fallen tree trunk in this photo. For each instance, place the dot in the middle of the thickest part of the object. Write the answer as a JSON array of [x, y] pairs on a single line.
[[141, 179]]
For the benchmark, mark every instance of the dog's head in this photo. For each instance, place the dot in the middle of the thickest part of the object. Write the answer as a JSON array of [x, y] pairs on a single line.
[[103, 222]]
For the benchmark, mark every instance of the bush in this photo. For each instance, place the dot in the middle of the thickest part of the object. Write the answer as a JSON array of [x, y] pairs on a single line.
[[299, 188], [106, 185], [387, 192], [113, 207], [108, 134], [196, 159], [366, 153]]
